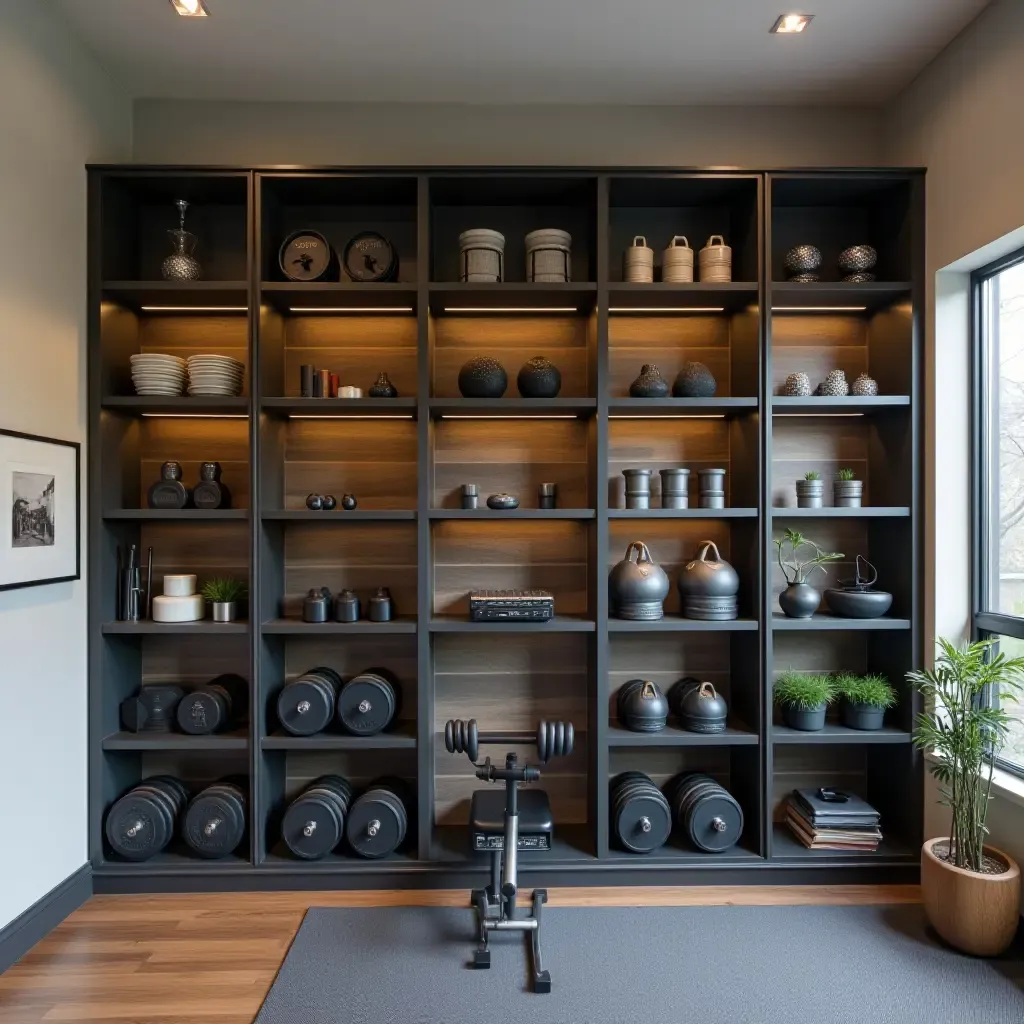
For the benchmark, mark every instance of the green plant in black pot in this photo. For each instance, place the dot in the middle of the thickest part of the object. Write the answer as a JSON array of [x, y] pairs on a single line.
[[804, 698], [800, 600], [847, 490], [225, 593], [865, 699], [810, 491]]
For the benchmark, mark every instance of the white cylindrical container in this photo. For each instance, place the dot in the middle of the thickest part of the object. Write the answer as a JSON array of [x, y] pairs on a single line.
[[481, 255], [180, 586], [179, 609], [549, 256], [638, 262], [677, 261], [715, 260]]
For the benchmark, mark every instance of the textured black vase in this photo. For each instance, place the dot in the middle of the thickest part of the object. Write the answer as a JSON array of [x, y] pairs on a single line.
[[382, 387], [694, 380], [650, 383], [539, 378], [483, 377]]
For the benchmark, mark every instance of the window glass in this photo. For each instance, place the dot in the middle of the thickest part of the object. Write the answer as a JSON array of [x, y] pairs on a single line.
[[1013, 748]]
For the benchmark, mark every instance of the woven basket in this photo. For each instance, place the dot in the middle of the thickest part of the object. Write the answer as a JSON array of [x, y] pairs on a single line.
[[638, 262], [549, 256], [677, 261], [481, 255], [715, 260]]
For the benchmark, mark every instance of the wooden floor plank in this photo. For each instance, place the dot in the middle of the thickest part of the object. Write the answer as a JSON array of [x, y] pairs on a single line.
[[210, 958]]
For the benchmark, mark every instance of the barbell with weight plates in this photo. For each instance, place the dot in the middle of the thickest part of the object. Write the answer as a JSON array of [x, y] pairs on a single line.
[[214, 707], [314, 823], [640, 815], [553, 739], [305, 706], [143, 821], [368, 702], [379, 819], [215, 819], [709, 816]]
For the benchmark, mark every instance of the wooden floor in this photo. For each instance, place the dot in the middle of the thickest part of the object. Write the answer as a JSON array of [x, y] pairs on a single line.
[[191, 959]]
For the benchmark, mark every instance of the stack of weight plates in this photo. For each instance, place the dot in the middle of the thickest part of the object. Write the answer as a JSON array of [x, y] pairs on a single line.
[[157, 374], [215, 820], [641, 818], [378, 820], [368, 702], [707, 814], [314, 823], [215, 375], [306, 705], [143, 821]]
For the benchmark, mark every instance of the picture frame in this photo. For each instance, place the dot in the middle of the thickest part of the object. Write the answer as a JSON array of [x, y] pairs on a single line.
[[41, 487]]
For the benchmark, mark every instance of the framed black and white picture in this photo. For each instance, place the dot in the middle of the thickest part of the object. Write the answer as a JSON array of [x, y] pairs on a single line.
[[41, 489]]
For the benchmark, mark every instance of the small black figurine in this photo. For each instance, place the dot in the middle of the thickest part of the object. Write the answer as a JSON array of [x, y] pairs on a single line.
[[348, 502], [169, 491], [330, 503], [314, 502], [210, 492], [382, 387]]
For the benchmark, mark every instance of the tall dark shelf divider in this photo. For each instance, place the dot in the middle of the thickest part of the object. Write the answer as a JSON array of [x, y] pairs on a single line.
[[277, 446]]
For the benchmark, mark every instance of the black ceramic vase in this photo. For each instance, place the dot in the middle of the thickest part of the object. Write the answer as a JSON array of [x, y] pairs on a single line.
[[483, 377], [650, 383], [539, 378], [169, 491], [382, 387], [694, 380], [210, 492], [799, 600]]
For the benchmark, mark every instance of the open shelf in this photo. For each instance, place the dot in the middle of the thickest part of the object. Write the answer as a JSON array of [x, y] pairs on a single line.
[[180, 296], [403, 738], [511, 513], [296, 627], [830, 512], [676, 855], [356, 515], [676, 624], [673, 736], [638, 407], [836, 296], [527, 298], [571, 845], [824, 621], [147, 627], [339, 406], [785, 846], [177, 515], [516, 407], [839, 734], [682, 513], [663, 299], [196, 405], [340, 297], [559, 624], [845, 404], [143, 741], [280, 859]]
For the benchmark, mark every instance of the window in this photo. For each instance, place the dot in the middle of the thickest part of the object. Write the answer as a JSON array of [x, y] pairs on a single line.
[[998, 475]]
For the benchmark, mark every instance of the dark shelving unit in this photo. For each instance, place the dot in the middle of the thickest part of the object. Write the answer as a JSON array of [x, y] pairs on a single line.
[[406, 459]]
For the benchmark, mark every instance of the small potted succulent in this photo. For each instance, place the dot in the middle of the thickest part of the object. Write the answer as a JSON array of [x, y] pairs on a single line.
[[865, 699], [225, 593], [800, 600], [846, 491], [804, 697], [810, 491]]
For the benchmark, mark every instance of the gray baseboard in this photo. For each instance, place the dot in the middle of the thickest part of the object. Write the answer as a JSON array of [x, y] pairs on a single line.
[[17, 938]]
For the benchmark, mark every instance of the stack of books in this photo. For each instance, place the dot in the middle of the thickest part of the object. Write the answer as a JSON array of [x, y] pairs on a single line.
[[832, 819]]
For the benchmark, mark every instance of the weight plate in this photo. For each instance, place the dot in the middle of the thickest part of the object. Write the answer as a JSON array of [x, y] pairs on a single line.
[[376, 824], [306, 706], [716, 822], [305, 256], [135, 828], [215, 821], [369, 256], [366, 704], [313, 825], [643, 821], [203, 711]]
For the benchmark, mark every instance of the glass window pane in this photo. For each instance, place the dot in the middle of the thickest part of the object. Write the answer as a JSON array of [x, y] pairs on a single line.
[[1004, 397], [1013, 750]]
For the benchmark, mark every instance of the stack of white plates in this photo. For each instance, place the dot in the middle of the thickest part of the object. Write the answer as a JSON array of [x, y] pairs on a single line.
[[156, 374], [215, 375]]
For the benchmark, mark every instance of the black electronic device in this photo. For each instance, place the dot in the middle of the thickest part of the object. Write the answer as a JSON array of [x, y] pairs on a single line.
[[511, 605]]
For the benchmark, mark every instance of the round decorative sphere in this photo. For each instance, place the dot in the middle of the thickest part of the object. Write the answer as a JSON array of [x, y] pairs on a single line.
[[180, 267], [539, 378], [797, 385], [694, 380], [834, 385], [483, 377], [861, 277], [808, 278], [500, 501], [857, 259], [330, 503], [802, 258], [864, 386], [348, 502], [314, 502], [650, 383]]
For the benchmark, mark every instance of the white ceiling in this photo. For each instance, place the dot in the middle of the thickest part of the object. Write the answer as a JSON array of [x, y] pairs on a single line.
[[680, 52]]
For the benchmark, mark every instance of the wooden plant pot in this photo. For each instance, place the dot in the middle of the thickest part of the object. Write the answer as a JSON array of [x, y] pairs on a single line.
[[976, 913]]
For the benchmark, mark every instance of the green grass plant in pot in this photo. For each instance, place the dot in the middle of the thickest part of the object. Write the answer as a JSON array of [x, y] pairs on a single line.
[[804, 698], [226, 594], [800, 600], [971, 891], [847, 490], [810, 491], [865, 699]]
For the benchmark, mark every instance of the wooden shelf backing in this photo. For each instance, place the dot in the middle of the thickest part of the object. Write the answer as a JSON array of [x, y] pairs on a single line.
[[357, 515], [625, 297], [337, 297], [307, 407], [641, 407], [511, 513], [472, 298], [516, 407]]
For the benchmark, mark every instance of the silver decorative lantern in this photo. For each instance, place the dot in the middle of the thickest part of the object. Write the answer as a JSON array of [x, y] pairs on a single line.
[[181, 265]]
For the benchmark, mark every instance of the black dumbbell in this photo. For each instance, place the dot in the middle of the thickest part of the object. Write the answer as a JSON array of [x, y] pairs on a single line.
[[217, 706]]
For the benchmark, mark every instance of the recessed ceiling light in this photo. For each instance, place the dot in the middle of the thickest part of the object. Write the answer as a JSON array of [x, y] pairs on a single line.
[[788, 24], [190, 8]]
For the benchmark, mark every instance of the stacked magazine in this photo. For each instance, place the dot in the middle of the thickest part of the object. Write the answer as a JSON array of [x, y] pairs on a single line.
[[832, 819]]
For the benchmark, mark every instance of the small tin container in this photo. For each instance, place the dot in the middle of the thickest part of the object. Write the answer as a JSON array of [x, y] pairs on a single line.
[[470, 495], [547, 496]]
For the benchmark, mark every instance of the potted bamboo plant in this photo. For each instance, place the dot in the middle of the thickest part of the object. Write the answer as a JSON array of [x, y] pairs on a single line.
[[865, 699], [800, 600], [225, 594], [847, 491], [971, 891], [804, 698]]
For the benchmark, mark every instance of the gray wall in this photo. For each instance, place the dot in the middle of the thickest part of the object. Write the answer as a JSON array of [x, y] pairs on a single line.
[[961, 118], [366, 134], [57, 111]]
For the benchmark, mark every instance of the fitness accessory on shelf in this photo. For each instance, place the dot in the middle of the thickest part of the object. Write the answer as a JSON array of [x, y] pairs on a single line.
[[215, 707], [642, 706], [214, 822], [314, 823], [501, 832], [640, 814], [511, 605], [707, 814], [379, 820], [368, 702], [152, 708], [143, 821], [306, 705]]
